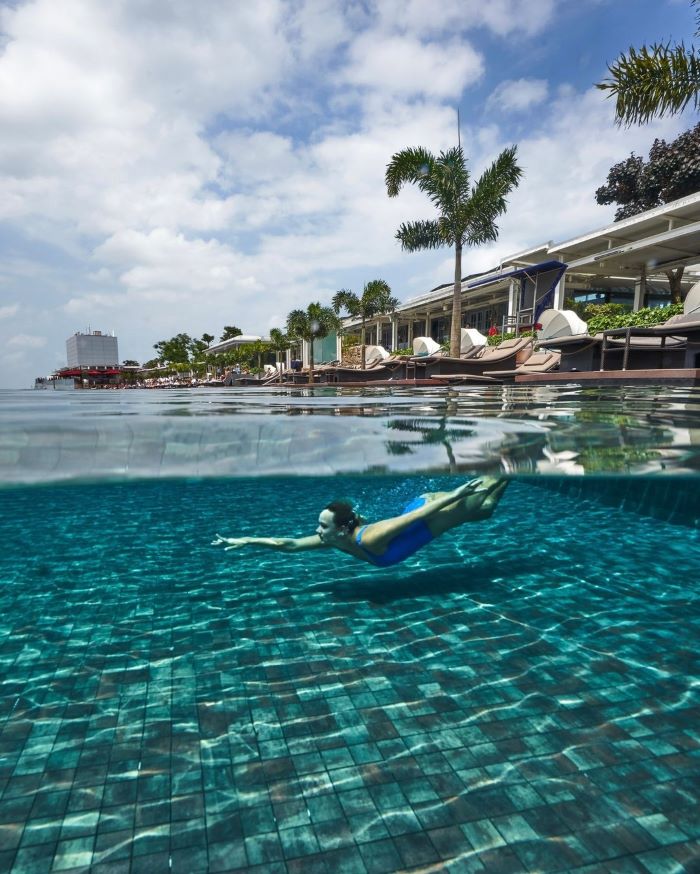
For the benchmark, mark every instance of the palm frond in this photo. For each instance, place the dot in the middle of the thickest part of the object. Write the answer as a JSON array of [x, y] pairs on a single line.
[[298, 325], [448, 182], [653, 82], [414, 236], [322, 320], [409, 165], [346, 300], [377, 299], [488, 199], [279, 340]]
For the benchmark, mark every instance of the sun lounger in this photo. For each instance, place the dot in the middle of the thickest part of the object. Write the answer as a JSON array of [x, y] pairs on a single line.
[[539, 362], [507, 354], [385, 369], [673, 343], [579, 352]]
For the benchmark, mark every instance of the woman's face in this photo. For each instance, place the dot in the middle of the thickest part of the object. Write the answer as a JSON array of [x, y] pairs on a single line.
[[327, 530]]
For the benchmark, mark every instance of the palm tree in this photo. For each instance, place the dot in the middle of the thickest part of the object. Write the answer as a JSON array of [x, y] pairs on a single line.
[[279, 342], [467, 216], [654, 81], [314, 323], [376, 300]]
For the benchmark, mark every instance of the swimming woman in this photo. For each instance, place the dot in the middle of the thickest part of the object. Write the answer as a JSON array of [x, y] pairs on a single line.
[[392, 540]]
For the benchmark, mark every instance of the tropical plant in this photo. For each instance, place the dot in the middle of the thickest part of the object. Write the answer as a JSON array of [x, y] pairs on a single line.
[[198, 348], [671, 171], [279, 342], [376, 300], [314, 323], [601, 319], [176, 350], [655, 81], [230, 331], [466, 215]]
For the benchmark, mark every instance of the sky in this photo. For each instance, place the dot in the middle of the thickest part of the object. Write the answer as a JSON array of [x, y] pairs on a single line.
[[169, 166]]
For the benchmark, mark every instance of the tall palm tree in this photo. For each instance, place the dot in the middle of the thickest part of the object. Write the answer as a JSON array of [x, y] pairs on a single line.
[[314, 323], [279, 342], [654, 81], [376, 300], [467, 215]]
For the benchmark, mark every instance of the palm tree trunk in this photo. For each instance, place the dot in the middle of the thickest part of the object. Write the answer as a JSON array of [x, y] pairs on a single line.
[[362, 345], [456, 328]]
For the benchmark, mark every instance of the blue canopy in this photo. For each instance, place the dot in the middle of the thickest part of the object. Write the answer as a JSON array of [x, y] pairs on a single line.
[[532, 270], [546, 299]]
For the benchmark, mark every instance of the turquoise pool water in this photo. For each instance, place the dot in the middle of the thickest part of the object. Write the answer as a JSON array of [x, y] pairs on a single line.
[[521, 695]]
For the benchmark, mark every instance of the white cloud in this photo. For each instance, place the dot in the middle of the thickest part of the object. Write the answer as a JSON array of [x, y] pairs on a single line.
[[518, 94], [502, 17], [407, 66], [26, 341], [176, 167], [562, 170]]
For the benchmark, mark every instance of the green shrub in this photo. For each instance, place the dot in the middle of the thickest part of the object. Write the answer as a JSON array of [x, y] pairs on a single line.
[[602, 317]]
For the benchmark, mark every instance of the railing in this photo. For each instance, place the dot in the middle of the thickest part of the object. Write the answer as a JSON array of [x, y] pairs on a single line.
[[514, 324]]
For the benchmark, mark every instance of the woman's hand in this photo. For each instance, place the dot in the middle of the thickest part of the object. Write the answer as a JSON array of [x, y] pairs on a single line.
[[233, 542]]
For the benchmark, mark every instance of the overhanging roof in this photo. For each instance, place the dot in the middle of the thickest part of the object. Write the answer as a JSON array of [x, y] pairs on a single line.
[[225, 345], [660, 239]]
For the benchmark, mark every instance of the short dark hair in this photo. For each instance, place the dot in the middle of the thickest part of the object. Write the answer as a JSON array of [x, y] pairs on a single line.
[[343, 514]]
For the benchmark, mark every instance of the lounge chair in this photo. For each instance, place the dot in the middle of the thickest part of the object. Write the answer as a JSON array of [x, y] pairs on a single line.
[[377, 371], [507, 355], [579, 352], [539, 362], [673, 344]]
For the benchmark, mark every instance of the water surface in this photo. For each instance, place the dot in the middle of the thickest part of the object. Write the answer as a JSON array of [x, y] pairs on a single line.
[[520, 695]]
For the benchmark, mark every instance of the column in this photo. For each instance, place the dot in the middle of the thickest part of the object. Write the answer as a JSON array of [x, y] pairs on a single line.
[[640, 290], [559, 294]]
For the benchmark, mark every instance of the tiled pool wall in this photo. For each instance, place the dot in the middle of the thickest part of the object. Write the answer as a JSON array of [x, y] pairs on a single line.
[[670, 499]]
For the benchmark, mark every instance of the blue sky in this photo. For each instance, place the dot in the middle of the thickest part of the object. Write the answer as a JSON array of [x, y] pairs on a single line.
[[171, 166]]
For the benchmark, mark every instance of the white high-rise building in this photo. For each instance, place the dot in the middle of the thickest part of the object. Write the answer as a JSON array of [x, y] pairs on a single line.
[[93, 350]]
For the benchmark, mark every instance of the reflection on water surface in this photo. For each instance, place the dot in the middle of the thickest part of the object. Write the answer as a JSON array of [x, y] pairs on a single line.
[[560, 430]]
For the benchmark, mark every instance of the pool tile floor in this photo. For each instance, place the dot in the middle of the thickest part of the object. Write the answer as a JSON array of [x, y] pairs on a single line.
[[506, 724]]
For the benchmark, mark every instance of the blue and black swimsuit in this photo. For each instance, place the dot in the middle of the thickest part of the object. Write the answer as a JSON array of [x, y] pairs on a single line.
[[405, 543]]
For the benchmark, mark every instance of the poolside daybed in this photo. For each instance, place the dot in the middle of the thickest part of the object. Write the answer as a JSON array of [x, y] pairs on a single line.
[[508, 354]]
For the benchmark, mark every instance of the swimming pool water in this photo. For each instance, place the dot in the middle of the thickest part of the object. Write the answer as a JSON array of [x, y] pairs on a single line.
[[521, 695]]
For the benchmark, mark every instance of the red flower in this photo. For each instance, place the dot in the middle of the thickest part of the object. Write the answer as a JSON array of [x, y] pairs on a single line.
[[538, 327], [493, 330]]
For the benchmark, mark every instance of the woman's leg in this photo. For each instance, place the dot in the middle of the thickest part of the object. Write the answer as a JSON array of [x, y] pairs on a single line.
[[471, 508]]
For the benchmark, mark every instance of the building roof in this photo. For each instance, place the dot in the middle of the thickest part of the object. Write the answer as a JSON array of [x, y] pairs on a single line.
[[660, 239], [225, 345]]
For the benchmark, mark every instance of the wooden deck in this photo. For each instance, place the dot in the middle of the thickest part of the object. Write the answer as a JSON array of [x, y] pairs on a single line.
[[661, 376]]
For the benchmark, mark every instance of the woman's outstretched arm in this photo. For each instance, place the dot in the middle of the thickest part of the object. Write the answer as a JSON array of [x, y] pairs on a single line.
[[284, 544]]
